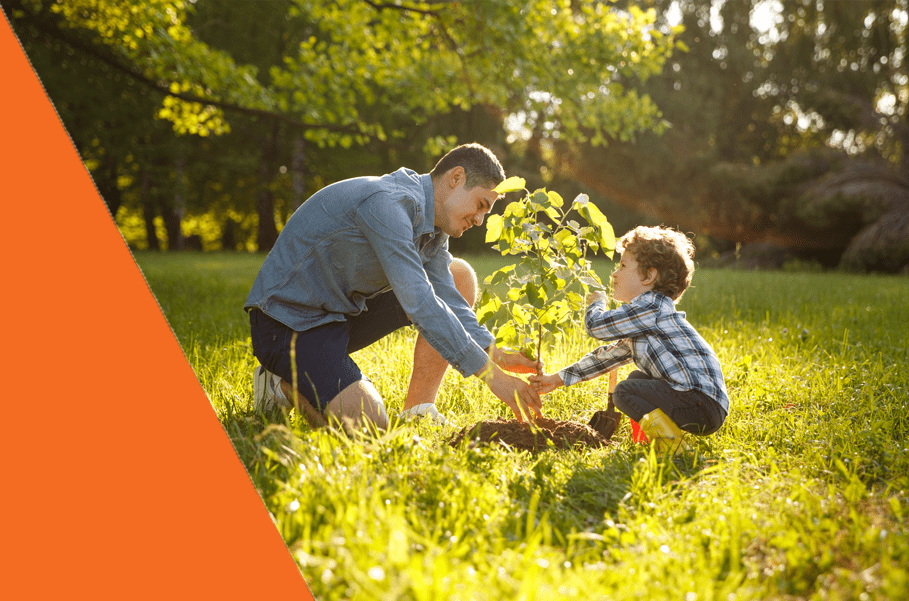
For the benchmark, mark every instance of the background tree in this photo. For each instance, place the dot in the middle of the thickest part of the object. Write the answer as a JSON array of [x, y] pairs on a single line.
[[340, 75], [788, 127], [787, 118]]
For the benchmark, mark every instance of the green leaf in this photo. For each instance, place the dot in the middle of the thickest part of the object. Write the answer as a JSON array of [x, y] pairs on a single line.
[[519, 316], [536, 295], [493, 228], [512, 184], [506, 335], [565, 239], [604, 232], [606, 237], [555, 313], [540, 198], [489, 306], [498, 276], [555, 199], [575, 300], [514, 213], [593, 283], [554, 282]]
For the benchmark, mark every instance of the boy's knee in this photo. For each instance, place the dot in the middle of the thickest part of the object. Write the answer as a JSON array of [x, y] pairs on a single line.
[[623, 388], [624, 398], [465, 279], [619, 395]]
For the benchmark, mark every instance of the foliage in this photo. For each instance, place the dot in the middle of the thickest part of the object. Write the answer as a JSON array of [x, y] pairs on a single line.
[[544, 293], [453, 56], [339, 76], [762, 87], [354, 61], [152, 39], [802, 494]]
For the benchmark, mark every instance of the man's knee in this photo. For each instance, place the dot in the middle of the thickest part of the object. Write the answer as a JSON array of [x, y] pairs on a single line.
[[465, 279], [358, 404]]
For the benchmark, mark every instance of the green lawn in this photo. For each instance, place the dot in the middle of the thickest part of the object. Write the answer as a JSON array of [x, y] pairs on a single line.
[[802, 494]]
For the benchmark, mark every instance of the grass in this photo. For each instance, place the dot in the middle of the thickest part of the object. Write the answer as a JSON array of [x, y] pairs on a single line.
[[801, 495]]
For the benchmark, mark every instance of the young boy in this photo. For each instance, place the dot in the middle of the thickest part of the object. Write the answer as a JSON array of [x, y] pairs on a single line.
[[678, 383]]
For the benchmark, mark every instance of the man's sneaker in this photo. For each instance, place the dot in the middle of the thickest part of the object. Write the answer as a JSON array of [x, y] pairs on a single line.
[[424, 410], [267, 393]]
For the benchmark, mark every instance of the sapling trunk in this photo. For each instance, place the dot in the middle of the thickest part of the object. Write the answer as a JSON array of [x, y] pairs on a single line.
[[540, 325], [539, 348]]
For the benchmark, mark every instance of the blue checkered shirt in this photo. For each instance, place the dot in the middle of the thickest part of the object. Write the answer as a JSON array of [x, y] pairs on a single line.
[[662, 344]]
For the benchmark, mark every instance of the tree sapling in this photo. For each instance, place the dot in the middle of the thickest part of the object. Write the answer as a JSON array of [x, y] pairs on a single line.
[[548, 287]]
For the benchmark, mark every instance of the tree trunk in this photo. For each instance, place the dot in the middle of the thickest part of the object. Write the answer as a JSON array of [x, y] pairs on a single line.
[[297, 172], [148, 211], [265, 202], [106, 182], [229, 234], [171, 223], [176, 237]]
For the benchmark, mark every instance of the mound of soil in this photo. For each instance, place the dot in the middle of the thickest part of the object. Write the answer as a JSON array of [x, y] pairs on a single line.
[[544, 434]]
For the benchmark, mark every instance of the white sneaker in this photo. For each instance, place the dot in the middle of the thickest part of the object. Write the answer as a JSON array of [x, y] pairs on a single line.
[[425, 410], [267, 393]]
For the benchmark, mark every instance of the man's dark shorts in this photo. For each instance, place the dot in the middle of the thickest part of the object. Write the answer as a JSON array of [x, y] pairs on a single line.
[[323, 363]]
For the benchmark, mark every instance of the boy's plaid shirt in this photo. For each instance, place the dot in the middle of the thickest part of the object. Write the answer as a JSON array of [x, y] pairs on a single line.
[[658, 339]]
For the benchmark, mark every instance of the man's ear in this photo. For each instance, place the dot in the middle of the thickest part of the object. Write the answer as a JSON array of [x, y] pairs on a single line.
[[456, 175]]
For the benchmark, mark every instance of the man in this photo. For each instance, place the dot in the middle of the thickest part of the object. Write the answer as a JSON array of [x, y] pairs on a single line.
[[362, 258]]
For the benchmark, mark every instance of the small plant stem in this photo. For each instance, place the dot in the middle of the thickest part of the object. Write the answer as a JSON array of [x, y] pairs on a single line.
[[542, 270], [539, 346]]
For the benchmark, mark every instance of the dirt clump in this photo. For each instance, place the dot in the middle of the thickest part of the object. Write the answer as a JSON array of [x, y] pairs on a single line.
[[544, 434]]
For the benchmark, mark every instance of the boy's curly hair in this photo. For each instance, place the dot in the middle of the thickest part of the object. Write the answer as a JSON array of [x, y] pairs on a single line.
[[668, 251]]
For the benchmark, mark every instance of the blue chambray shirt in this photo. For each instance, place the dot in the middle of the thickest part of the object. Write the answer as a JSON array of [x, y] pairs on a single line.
[[660, 341], [357, 238]]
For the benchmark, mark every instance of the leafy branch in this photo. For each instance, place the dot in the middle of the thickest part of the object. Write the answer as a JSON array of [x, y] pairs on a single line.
[[549, 285], [110, 51]]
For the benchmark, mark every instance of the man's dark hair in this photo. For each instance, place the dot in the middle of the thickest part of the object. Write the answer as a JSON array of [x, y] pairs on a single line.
[[481, 166]]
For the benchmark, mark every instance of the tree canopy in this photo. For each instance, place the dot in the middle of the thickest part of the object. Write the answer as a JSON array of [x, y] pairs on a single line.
[[355, 73], [354, 61], [715, 116], [770, 105]]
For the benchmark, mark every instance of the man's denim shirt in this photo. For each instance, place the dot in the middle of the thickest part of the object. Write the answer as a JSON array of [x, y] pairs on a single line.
[[362, 236]]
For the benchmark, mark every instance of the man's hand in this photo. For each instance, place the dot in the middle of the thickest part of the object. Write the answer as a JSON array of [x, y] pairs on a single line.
[[599, 295], [516, 363], [520, 397], [546, 383]]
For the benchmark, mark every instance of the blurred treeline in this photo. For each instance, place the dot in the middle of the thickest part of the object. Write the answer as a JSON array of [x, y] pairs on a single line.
[[772, 126]]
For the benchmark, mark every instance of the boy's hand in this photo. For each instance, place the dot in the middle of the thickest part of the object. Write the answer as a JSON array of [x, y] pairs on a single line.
[[516, 363], [599, 295], [546, 383]]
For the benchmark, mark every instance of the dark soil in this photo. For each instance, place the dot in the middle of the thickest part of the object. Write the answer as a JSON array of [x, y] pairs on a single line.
[[544, 434]]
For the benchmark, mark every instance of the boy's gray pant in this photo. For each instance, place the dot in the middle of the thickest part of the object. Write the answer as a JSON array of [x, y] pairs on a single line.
[[692, 411]]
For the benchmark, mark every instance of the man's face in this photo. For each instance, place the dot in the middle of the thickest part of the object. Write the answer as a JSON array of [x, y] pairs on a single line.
[[464, 208]]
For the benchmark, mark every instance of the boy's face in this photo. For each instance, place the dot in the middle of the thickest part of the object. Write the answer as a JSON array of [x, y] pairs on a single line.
[[627, 281]]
